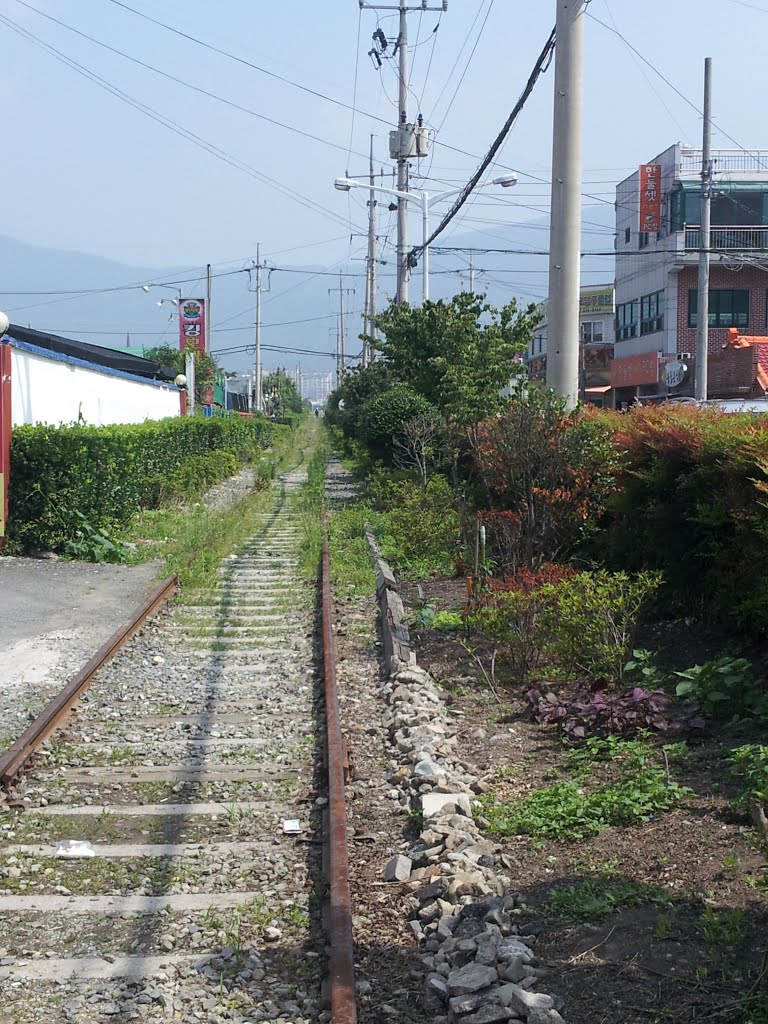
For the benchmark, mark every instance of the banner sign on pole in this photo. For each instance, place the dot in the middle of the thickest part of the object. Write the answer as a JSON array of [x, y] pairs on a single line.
[[650, 197], [192, 324]]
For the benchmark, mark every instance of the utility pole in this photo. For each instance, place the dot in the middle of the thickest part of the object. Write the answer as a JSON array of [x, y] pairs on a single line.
[[702, 306], [340, 339], [408, 140], [259, 403], [208, 281], [402, 160], [369, 328], [565, 230]]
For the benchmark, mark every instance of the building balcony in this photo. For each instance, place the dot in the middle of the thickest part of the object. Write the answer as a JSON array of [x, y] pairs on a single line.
[[730, 238], [724, 160]]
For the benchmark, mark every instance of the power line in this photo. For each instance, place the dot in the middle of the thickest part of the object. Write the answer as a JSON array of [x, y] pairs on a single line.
[[540, 67], [673, 87], [466, 66], [246, 63], [187, 85], [178, 129]]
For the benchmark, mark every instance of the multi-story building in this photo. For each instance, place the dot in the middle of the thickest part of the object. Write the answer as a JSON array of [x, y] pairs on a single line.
[[596, 318], [657, 276]]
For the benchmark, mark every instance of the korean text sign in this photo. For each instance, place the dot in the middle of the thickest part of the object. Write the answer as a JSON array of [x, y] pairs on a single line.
[[192, 324], [650, 197]]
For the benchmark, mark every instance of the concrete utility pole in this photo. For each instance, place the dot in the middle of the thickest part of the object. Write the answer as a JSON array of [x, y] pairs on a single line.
[[340, 338], [208, 289], [369, 327], [402, 161], [403, 145], [565, 230], [702, 307], [259, 403]]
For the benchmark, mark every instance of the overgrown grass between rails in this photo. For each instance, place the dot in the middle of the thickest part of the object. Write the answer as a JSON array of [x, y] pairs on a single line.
[[309, 504], [193, 540], [197, 539]]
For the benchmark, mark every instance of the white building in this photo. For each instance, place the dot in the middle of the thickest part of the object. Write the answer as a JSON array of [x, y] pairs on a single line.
[[657, 276]]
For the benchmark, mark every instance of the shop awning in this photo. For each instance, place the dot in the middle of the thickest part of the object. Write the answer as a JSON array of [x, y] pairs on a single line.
[[599, 390]]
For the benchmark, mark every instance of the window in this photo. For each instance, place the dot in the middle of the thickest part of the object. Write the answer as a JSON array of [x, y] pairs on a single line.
[[728, 307], [592, 332], [643, 239], [652, 313], [626, 320], [627, 236]]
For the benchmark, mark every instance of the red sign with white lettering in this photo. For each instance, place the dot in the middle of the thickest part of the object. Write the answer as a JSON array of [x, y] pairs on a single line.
[[633, 370], [650, 197]]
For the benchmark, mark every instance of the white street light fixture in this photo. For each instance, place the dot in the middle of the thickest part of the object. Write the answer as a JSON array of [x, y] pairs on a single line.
[[180, 380], [424, 200], [5, 323], [171, 287]]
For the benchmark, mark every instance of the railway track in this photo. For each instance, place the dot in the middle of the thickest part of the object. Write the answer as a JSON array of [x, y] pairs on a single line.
[[169, 863]]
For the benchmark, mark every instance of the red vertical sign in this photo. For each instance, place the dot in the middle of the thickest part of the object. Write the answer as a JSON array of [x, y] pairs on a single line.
[[192, 324], [650, 197]]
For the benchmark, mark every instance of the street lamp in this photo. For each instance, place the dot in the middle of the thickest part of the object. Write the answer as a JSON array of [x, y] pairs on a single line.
[[5, 323], [425, 201], [174, 302]]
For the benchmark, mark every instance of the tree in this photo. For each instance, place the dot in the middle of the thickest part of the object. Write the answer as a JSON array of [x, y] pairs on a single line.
[[344, 408], [384, 416], [547, 473], [206, 367], [417, 444], [459, 354], [280, 394]]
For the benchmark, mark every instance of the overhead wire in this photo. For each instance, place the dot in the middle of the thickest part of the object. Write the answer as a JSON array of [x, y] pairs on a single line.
[[674, 88], [541, 64], [189, 85], [194, 137], [354, 87]]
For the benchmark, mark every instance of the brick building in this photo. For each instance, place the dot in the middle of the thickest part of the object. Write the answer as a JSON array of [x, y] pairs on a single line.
[[657, 274]]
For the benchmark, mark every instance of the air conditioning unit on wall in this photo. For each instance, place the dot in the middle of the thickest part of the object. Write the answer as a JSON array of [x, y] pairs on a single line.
[[682, 356]]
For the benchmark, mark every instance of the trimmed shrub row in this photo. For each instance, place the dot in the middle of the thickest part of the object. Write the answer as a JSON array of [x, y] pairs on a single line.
[[107, 474]]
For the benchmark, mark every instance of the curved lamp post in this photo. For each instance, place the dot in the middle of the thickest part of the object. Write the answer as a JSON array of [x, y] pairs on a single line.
[[425, 201]]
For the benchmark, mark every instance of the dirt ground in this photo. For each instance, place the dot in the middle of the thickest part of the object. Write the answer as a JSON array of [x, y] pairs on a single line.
[[698, 951]]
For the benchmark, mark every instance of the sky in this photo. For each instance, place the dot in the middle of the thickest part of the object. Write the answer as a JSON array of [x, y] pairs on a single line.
[[86, 172]]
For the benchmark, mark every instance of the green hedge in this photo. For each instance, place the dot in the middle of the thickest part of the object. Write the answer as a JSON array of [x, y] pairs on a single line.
[[107, 474]]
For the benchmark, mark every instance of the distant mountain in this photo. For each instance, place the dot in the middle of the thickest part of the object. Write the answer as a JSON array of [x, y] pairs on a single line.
[[112, 314]]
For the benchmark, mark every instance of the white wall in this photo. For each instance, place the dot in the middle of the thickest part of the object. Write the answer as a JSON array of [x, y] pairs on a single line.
[[51, 390]]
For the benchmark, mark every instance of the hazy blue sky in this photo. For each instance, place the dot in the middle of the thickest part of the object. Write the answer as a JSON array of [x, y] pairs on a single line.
[[84, 171]]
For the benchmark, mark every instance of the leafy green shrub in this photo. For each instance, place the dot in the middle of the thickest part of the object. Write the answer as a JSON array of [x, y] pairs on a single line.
[[725, 688], [107, 474], [423, 529], [701, 477], [592, 620], [195, 475], [566, 811], [750, 764], [385, 415], [90, 545], [583, 625]]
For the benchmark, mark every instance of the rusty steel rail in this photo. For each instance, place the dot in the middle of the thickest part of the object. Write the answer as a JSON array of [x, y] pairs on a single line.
[[342, 960], [55, 714]]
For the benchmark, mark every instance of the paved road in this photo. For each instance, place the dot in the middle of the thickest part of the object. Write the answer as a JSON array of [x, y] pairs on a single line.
[[53, 616]]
